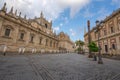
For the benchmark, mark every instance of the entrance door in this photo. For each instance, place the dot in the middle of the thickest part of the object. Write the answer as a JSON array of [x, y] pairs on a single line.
[[106, 48]]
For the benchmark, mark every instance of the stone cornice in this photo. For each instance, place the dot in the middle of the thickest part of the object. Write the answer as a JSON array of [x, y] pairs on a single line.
[[108, 36], [22, 23], [112, 15], [67, 41], [106, 19]]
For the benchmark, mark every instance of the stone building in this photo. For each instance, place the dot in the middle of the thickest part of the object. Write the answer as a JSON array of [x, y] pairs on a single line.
[[18, 34], [109, 34], [65, 43]]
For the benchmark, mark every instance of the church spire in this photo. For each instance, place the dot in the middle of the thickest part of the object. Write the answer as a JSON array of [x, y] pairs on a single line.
[[11, 11], [20, 14], [16, 12], [24, 16], [4, 7]]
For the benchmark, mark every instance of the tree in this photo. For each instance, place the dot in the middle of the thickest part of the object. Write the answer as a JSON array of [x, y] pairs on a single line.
[[93, 47], [80, 44]]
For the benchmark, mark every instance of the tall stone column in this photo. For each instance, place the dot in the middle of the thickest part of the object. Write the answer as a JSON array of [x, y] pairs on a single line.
[[89, 38]]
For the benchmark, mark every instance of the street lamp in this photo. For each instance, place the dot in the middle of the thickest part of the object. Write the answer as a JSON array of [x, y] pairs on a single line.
[[98, 25]]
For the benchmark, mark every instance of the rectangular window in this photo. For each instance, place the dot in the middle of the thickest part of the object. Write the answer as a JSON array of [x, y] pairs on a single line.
[[46, 42], [113, 46], [99, 33], [31, 38], [56, 44], [40, 42], [105, 33], [7, 32], [111, 29], [50, 43], [95, 35], [21, 36]]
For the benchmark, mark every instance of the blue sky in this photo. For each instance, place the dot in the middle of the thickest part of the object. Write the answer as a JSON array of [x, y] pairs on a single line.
[[69, 16], [95, 10]]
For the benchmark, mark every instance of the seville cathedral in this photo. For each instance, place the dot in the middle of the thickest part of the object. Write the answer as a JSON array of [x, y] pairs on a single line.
[[21, 35], [109, 34]]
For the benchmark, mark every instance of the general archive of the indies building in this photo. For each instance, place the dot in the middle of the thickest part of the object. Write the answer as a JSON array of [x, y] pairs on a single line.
[[18, 34], [109, 38]]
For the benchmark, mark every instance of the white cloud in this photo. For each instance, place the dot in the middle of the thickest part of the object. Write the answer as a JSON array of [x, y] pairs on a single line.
[[99, 0], [73, 33], [116, 2], [61, 24], [103, 13], [88, 14], [74, 5], [50, 8], [66, 20], [56, 29]]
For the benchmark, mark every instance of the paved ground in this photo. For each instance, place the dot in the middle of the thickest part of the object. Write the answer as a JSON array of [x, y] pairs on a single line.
[[57, 67]]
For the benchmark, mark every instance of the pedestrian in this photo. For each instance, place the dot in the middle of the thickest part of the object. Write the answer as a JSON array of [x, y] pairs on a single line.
[[112, 51], [95, 57], [4, 50], [23, 50], [33, 50], [20, 50]]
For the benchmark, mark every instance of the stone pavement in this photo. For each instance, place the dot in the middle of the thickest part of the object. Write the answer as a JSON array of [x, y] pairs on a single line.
[[57, 67]]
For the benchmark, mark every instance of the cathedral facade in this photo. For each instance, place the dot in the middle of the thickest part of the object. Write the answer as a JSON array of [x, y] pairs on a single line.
[[18, 34], [109, 34]]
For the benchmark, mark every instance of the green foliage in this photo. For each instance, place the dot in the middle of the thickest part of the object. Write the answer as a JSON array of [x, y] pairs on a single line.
[[93, 47], [80, 44], [79, 49]]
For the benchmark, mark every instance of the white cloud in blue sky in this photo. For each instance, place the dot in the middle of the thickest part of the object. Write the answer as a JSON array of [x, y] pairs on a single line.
[[69, 16], [73, 33], [116, 2], [51, 8]]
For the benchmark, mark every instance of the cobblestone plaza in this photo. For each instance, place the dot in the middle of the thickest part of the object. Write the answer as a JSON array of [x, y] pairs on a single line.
[[57, 67]]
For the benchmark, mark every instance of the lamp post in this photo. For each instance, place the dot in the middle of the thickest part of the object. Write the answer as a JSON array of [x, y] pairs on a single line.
[[98, 25], [89, 38]]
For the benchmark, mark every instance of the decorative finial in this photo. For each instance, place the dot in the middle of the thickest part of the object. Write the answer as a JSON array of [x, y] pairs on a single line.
[[11, 11], [35, 17], [97, 22], [24, 16], [4, 7], [20, 14], [15, 12], [41, 14], [51, 21], [88, 23]]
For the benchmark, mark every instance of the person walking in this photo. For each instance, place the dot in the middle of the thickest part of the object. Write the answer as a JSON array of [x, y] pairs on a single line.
[[4, 50]]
